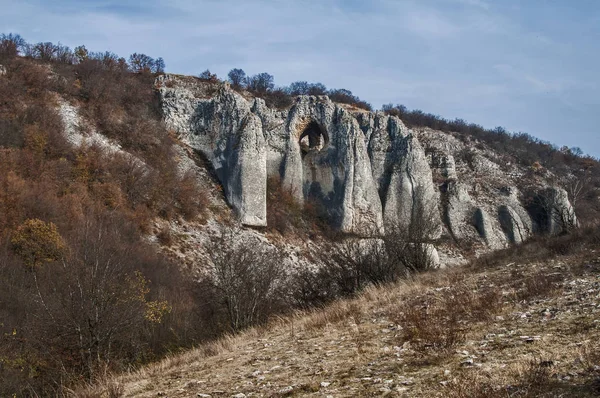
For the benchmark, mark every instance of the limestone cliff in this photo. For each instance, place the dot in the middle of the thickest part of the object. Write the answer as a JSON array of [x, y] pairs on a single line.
[[368, 170]]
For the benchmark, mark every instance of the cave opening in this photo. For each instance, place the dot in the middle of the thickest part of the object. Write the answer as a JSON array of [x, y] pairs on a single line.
[[312, 139]]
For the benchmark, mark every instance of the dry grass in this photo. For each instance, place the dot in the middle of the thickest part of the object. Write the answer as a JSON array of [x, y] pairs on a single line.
[[511, 330]]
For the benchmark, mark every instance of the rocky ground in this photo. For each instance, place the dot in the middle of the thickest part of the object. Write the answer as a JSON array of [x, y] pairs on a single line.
[[500, 327]]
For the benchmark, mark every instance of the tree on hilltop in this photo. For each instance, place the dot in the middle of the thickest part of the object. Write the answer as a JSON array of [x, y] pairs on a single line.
[[237, 78]]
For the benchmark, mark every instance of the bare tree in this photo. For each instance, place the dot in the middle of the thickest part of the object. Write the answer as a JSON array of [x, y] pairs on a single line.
[[45, 51], [345, 267], [578, 188], [11, 45], [64, 54], [91, 304], [140, 63], [305, 88], [208, 75], [317, 89], [246, 276], [409, 245], [261, 83], [159, 65], [237, 78], [360, 262]]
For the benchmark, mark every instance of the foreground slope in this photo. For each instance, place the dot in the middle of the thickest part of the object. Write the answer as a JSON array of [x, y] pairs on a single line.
[[525, 323]]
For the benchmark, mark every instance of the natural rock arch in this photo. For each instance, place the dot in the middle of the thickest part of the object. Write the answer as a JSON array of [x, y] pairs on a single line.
[[312, 138]]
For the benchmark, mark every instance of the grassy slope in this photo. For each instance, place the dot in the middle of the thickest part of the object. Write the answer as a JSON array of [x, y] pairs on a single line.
[[504, 327]]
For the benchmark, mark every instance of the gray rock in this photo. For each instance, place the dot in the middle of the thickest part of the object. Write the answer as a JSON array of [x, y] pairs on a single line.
[[367, 170], [246, 180], [3, 70], [560, 214], [317, 148], [401, 173], [512, 225], [462, 219], [511, 199], [485, 226]]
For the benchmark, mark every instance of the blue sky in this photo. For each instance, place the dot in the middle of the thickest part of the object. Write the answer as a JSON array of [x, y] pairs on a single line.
[[531, 66]]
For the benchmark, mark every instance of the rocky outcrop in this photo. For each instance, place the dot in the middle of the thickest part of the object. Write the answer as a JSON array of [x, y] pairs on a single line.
[[511, 224], [367, 170], [316, 148], [487, 229], [558, 213], [247, 172], [514, 219]]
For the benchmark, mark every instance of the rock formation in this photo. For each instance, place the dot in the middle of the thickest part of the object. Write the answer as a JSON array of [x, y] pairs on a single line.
[[368, 170]]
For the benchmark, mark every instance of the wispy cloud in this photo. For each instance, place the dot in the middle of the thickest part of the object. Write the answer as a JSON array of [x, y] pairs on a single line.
[[430, 25], [533, 82]]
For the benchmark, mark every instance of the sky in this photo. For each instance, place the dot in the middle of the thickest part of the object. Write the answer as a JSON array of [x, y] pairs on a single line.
[[531, 66]]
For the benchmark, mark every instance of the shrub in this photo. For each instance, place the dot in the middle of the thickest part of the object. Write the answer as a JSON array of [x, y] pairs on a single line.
[[278, 99], [165, 236], [38, 242], [409, 243], [10, 45], [287, 216], [346, 97], [246, 278], [440, 321]]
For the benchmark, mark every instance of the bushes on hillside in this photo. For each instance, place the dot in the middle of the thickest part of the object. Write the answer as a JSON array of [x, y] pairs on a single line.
[[246, 278], [11, 45], [579, 174], [83, 291], [522, 146], [99, 301], [262, 85]]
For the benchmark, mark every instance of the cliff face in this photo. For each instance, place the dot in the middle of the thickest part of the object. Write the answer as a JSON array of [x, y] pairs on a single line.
[[367, 169]]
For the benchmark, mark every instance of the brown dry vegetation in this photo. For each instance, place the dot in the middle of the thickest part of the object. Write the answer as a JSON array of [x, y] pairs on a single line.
[[508, 326], [288, 217], [83, 293]]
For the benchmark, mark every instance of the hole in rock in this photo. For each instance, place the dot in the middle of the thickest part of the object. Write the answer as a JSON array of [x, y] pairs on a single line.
[[312, 138]]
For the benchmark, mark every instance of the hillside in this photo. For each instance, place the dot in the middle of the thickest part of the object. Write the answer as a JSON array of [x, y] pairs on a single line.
[[145, 213], [523, 323]]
